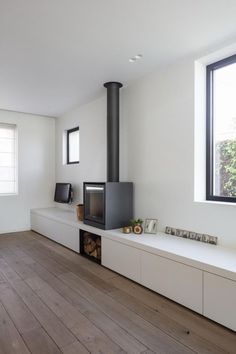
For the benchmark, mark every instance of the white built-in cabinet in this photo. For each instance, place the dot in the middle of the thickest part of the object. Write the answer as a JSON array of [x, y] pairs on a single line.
[[65, 234], [206, 285], [121, 258], [220, 300], [174, 280]]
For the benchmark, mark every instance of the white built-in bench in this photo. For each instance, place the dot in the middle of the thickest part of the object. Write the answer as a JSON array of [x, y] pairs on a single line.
[[199, 276]]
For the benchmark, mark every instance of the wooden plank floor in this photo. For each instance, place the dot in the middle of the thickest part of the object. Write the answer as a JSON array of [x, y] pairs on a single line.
[[52, 300]]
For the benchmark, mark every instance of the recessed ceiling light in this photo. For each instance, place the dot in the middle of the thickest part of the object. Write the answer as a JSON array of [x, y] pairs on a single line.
[[136, 57]]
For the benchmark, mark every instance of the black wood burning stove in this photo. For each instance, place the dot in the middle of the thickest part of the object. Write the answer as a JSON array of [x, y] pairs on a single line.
[[109, 205]]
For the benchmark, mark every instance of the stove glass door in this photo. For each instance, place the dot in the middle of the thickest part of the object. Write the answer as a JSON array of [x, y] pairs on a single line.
[[95, 202]]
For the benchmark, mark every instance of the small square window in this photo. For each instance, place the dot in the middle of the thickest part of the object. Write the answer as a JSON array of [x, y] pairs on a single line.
[[73, 146]]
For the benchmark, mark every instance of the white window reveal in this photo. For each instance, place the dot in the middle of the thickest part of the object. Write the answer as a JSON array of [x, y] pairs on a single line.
[[8, 159]]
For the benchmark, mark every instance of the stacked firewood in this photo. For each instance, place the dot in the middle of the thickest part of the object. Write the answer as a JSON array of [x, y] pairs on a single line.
[[92, 245]]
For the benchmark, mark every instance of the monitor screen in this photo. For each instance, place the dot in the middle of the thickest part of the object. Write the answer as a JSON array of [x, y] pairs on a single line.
[[62, 193]]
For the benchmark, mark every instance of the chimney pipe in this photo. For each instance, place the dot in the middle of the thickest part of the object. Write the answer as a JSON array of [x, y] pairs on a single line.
[[113, 130]]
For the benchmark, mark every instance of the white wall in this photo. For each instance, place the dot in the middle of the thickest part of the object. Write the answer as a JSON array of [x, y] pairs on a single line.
[[158, 121], [91, 120], [157, 152], [36, 169]]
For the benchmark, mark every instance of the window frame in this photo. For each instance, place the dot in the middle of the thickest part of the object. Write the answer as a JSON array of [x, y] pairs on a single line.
[[210, 129], [68, 132]]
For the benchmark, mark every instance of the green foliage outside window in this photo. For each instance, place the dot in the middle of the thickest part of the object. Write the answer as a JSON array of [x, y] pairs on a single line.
[[226, 167]]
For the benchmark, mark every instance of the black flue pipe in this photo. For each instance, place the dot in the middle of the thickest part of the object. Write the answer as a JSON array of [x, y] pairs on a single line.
[[113, 127]]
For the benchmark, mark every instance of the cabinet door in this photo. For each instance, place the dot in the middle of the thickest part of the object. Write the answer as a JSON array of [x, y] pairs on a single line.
[[41, 225], [62, 233], [121, 258], [65, 234], [174, 280], [220, 299]]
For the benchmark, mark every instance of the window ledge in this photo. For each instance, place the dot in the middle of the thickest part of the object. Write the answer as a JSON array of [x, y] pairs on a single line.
[[215, 202]]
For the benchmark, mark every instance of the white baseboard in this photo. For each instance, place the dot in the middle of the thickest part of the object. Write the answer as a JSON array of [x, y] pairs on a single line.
[[9, 231]]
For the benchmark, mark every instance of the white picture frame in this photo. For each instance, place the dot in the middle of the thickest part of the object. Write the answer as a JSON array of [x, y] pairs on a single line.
[[150, 226]]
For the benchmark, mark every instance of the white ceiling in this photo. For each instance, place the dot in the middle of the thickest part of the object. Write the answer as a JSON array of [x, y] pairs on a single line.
[[56, 54]]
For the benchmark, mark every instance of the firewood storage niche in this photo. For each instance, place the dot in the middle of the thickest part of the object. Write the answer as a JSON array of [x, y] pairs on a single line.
[[90, 246]]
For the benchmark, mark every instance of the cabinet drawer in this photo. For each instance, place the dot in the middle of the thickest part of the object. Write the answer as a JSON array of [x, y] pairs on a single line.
[[62, 233], [220, 299], [121, 258], [174, 280]]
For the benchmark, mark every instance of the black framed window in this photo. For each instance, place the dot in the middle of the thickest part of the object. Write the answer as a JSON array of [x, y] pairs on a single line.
[[221, 131], [73, 146]]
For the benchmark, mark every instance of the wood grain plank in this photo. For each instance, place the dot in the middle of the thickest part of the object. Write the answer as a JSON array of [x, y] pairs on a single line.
[[76, 258], [18, 311], [75, 348], [94, 341], [68, 293], [130, 316], [58, 304], [54, 327], [126, 341], [7, 271], [107, 325], [87, 333], [201, 326], [16, 264], [167, 324], [142, 330], [2, 280], [23, 270], [39, 342], [22, 255], [10, 340], [45, 257], [177, 332]]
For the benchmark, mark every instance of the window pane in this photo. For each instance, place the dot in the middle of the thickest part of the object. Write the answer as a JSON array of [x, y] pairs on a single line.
[[7, 131], [7, 145], [7, 187], [74, 146], [224, 131], [6, 159], [8, 173]]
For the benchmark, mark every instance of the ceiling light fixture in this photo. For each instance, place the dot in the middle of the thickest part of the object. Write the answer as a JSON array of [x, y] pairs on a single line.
[[135, 58]]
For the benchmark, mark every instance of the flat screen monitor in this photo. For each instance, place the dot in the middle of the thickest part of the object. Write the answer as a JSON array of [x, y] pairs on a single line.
[[62, 193]]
